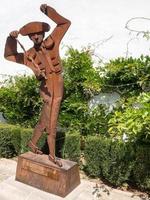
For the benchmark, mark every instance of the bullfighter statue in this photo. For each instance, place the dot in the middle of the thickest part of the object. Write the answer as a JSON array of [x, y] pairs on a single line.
[[44, 60]]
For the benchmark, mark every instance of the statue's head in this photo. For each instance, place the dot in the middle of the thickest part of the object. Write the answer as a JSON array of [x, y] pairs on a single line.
[[35, 31], [37, 38]]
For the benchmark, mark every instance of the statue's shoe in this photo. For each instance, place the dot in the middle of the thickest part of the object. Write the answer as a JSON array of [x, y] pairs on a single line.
[[34, 148], [55, 160]]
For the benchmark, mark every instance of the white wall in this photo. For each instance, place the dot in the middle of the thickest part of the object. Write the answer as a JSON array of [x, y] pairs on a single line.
[[108, 99]]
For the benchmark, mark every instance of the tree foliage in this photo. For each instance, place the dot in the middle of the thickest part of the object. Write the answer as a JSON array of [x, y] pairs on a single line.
[[132, 121], [128, 75], [82, 81], [131, 78], [19, 100]]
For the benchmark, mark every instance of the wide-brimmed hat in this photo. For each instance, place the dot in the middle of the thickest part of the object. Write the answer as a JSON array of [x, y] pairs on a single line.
[[34, 27]]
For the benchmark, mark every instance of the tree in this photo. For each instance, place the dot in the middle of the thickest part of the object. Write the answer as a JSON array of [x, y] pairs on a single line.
[[19, 100]]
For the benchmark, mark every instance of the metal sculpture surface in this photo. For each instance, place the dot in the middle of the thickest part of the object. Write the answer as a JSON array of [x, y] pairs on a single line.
[[44, 60]]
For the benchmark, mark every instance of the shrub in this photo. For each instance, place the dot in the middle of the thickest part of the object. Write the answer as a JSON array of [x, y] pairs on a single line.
[[25, 135], [13, 140], [81, 82], [109, 159], [117, 167], [71, 148], [97, 121], [132, 121], [141, 171], [20, 101], [10, 140], [60, 138], [96, 148]]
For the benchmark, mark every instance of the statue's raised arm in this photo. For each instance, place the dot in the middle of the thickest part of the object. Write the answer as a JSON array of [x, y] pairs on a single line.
[[62, 23], [10, 52]]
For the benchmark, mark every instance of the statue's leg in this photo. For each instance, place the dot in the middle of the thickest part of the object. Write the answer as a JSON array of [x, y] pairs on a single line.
[[56, 101], [43, 122], [38, 131]]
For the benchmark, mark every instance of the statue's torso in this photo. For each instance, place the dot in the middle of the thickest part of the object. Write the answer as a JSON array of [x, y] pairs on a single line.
[[41, 57]]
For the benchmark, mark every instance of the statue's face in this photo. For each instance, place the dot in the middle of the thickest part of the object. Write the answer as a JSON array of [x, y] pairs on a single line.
[[37, 38]]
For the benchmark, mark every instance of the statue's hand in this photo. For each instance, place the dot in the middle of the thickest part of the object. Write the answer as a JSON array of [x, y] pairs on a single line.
[[40, 73], [43, 8], [58, 69], [14, 34]]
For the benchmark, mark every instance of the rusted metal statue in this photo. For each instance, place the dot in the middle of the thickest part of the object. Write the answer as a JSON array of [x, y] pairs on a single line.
[[44, 60]]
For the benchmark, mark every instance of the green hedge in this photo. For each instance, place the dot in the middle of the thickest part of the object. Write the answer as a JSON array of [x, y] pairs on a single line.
[[71, 148], [13, 140], [141, 172], [95, 150], [118, 162], [115, 161], [117, 167], [10, 140], [110, 160]]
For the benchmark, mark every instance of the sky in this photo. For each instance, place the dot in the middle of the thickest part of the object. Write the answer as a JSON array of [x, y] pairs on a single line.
[[93, 21]]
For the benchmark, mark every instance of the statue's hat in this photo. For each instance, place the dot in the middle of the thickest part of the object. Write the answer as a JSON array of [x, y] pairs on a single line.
[[34, 27]]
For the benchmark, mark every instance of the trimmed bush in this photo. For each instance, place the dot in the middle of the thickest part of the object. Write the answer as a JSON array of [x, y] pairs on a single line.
[[111, 160], [25, 135], [13, 140], [10, 140], [141, 172], [71, 148], [117, 167], [96, 149]]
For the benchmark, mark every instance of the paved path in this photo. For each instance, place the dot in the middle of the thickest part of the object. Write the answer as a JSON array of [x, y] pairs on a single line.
[[87, 190]]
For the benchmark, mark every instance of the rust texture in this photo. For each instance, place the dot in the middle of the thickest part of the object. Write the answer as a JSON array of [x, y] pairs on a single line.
[[35, 170], [44, 60]]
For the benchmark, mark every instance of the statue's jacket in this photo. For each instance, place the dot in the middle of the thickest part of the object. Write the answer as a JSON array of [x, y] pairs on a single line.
[[47, 56]]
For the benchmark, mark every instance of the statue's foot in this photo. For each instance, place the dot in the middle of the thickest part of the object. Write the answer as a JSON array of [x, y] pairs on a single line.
[[34, 148], [55, 160]]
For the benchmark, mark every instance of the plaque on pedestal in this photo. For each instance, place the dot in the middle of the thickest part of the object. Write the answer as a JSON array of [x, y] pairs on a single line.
[[38, 171]]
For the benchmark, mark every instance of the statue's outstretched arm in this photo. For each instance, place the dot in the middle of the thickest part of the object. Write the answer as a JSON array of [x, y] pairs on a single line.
[[62, 23]]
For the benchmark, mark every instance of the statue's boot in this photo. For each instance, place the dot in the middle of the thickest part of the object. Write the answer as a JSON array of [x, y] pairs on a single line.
[[55, 160], [51, 156], [34, 148], [38, 131]]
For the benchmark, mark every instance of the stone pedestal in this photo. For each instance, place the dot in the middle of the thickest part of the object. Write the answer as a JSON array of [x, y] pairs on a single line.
[[38, 171]]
